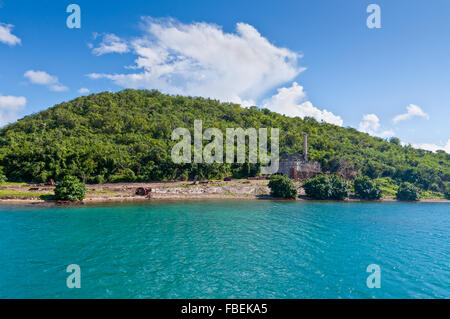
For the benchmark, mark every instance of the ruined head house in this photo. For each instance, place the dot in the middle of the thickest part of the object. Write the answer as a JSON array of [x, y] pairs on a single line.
[[296, 166]]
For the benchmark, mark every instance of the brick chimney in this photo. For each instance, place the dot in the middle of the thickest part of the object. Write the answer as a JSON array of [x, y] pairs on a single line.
[[305, 147]]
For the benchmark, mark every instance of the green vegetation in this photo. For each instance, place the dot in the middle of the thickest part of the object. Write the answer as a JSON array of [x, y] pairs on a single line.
[[431, 195], [94, 192], [70, 189], [126, 136], [388, 186], [408, 192], [447, 190], [282, 186], [365, 188], [326, 187], [123, 176], [13, 184], [3, 178], [13, 194]]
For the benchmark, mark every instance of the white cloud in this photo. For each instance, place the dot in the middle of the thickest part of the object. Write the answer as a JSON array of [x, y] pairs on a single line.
[[370, 124], [6, 36], [58, 88], [291, 102], [434, 147], [83, 91], [385, 134], [200, 59], [43, 78], [9, 108], [412, 111], [110, 43], [40, 77]]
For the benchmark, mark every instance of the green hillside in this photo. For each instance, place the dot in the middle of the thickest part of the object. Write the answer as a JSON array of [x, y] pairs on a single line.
[[125, 136]]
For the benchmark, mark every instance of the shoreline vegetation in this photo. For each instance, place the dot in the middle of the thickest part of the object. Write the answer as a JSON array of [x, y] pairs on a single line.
[[117, 142], [239, 189]]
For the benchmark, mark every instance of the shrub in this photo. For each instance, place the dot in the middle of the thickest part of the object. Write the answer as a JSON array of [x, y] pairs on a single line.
[[282, 186], [318, 187], [388, 186], [70, 189], [365, 188], [125, 176], [407, 192], [3, 178], [326, 187], [339, 187], [434, 187], [99, 179], [447, 190]]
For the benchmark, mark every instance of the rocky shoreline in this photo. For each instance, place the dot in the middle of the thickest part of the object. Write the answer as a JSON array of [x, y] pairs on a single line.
[[126, 192]]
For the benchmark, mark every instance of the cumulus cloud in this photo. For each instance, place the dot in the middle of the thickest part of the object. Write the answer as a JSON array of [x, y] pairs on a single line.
[[412, 111], [385, 134], [43, 78], [83, 91], [291, 101], [110, 43], [370, 124], [433, 147], [6, 36], [9, 108], [201, 59], [58, 88]]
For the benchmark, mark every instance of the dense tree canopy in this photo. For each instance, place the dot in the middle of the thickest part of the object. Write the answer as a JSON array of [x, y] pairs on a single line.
[[126, 136]]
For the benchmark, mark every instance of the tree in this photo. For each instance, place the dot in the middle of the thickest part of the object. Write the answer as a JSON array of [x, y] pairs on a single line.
[[3, 178], [365, 188], [326, 187], [339, 187], [407, 192], [126, 136], [395, 140], [318, 187], [70, 189], [124, 176], [447, 190], [282, 186]]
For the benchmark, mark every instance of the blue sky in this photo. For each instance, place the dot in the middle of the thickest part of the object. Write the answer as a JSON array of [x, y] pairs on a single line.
[[305, 58]]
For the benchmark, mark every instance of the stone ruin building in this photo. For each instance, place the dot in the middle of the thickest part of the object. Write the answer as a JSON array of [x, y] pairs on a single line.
[[298, 167]]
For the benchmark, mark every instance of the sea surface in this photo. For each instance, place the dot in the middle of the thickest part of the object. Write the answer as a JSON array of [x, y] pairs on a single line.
[[226, 249]]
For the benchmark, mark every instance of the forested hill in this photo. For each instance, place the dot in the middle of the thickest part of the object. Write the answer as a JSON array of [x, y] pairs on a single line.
[[125, 136]]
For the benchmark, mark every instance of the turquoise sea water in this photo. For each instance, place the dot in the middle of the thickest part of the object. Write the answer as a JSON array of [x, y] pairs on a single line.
[[226, 249]]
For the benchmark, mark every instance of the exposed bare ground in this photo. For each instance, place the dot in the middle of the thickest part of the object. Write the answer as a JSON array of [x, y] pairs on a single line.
[[236, 189]]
